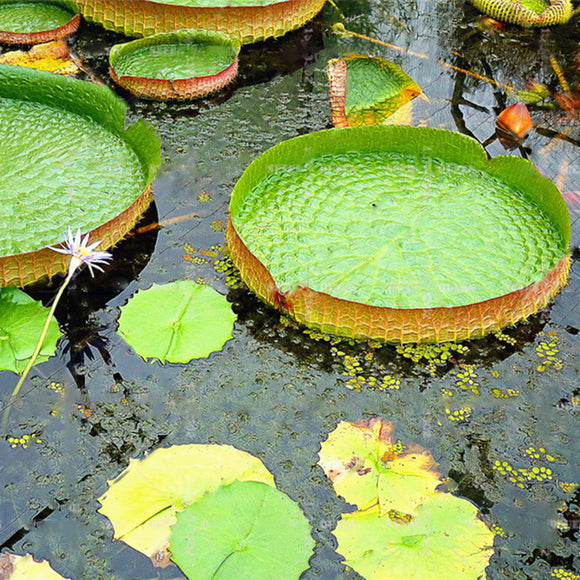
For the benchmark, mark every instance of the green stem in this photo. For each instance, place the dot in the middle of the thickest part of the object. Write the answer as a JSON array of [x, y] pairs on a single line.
[[36, 350]]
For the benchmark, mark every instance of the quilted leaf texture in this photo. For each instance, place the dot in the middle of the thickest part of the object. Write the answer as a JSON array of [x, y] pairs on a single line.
[[527, 13]]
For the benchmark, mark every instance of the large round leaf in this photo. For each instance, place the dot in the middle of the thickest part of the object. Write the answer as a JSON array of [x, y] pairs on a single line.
[[68, 160], [527, 12], [445, 540], [21, 322], [242, 531], [177, 322], [142, 501], [377, 232]]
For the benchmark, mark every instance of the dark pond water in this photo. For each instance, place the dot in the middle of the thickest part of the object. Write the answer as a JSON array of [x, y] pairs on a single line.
[[275, 391]]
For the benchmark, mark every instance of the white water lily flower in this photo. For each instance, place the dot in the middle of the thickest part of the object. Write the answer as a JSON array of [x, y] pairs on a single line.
[[82, 252]]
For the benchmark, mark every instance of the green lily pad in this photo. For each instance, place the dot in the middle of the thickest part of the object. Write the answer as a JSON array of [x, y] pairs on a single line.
[[446, 539], [18, 16], [527, 13], [179, 55], [142, 501], [68, 160], [242, 530], [366, 90], [375, 218], [21, 322], [245, 20], [194, 321], [14, 567], [368, 467]]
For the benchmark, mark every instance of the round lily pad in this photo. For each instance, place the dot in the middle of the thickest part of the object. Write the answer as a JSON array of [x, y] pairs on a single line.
[[36, 21], [194, 322], [244, 20], [402, 234], [175, 65], [527, 13], [445, 539], [242, 530], [67, 161], [21, 322], [142, 501]]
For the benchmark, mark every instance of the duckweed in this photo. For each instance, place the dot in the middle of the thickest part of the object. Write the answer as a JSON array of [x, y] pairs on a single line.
[[24, 441], [459, 415]]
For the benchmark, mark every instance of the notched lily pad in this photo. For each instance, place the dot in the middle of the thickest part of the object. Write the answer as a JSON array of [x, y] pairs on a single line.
[[193, 321], [14, 567], [366, 90], [21, 322], [376, 232], [242, 530], [446, 539], [36, 21], [142, 501], [527, 13], [175, 65], [368, 467]]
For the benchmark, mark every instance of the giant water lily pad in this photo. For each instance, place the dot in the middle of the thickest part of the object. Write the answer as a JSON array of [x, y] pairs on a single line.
[[67, 161], [446, 539], [245, 20], [175, 65], [194, 321], [527, 12], [243, 530], [402, 234], [141, 502], [366, 90], [368, 468], [36, 21], [21, 322]]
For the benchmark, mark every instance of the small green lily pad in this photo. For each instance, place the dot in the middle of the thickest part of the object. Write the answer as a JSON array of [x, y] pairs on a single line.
[[142, 501], [177, 322], [445, 540], [21, 322], [242, 530]]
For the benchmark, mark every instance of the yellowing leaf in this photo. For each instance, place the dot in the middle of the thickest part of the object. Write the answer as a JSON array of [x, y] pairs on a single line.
[[14, 567], [141, 502], [352, 457], [52, 57]]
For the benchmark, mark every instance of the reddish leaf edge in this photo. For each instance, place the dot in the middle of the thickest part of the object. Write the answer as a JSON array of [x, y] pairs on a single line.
[[39, 37], [349, 319], [28, 267]]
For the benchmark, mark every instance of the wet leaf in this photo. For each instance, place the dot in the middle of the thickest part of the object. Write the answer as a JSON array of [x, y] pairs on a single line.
[[367, 90], [445, 540], [53, 57], [177, 322], [14, 567], [243, 530], [21, 322], [367, 467], [142, 501]]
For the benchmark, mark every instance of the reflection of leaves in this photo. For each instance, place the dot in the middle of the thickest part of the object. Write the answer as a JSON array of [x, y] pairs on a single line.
[[243, 530], [14, 567], [444, 540], [21, 322], [141, 503], [177, 322], [367, 467]]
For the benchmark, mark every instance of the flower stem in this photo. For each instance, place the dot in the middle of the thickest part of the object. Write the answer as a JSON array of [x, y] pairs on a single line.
[[37, 350]]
